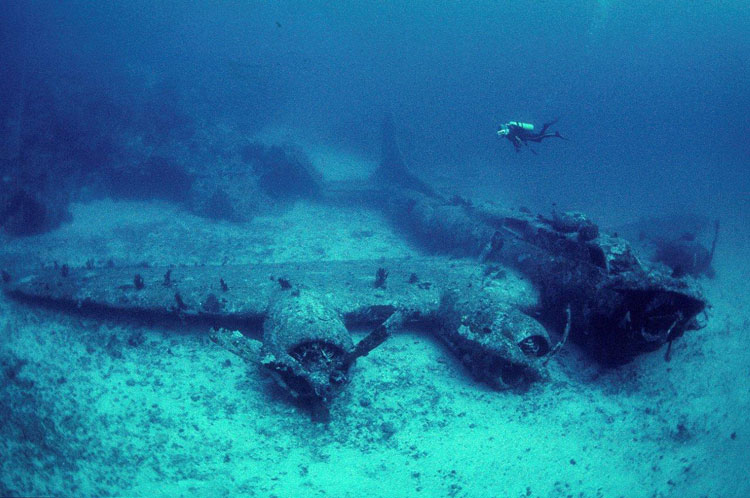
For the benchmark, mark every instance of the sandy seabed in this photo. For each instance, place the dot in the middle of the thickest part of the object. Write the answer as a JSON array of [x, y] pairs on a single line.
[[106, 408]]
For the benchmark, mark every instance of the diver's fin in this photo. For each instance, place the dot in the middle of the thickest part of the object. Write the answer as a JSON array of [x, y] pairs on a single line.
[[546, 126]]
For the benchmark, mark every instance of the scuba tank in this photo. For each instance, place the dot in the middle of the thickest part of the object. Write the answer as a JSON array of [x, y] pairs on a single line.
[[504, 129], [523, 126]]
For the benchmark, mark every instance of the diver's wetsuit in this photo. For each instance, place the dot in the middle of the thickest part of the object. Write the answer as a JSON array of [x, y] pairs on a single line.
[[519, 136]]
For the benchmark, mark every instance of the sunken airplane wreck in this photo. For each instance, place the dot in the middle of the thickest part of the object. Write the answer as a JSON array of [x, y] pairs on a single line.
[[518, 276]]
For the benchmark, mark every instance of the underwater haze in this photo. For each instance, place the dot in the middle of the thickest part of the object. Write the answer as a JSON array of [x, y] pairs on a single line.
[[653, 95], [174, 134]]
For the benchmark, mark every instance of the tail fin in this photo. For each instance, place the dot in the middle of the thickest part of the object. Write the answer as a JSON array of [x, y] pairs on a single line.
[[390, 154], [713, 244], [392, 169]]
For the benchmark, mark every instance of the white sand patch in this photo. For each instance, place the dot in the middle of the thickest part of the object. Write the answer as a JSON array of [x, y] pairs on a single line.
[[340, 165], [162, 234], [335, 164]]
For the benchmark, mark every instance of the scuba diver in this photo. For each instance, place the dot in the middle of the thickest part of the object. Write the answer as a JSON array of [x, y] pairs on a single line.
[[522, 133]]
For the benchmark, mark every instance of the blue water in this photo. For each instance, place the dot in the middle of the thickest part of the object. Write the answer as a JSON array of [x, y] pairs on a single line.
[[653, 97]]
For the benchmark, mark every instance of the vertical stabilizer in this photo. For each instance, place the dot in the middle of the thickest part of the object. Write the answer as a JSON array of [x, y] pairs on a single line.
[[392, 170]]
